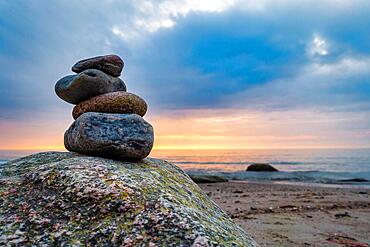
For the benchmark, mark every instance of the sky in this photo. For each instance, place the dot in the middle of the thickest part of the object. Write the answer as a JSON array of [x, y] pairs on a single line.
[[216, 74]]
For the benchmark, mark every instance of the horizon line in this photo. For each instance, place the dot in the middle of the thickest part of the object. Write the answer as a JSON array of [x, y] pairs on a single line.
[[208, 149]]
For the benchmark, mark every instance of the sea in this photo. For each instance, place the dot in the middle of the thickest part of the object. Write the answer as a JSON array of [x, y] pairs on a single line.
[[326, 167]]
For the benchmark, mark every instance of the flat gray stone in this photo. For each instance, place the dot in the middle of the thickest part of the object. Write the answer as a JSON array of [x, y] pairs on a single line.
[[87, 84], [110, 64], [122, 135]]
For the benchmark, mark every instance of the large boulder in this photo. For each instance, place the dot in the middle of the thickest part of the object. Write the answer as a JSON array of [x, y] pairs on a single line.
[[261, 167], [67, 199]]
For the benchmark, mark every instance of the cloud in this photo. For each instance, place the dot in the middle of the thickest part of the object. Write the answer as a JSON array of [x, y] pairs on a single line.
[[340, 86], [278, 59], [153, 16], [180, 54], [318, 46], [150, 17]]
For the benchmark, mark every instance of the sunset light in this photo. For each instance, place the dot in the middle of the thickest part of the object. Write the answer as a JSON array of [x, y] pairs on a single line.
[[189, 123]]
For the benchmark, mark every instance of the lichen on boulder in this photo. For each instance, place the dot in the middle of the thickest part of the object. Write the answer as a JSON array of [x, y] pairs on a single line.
[[61, 198]]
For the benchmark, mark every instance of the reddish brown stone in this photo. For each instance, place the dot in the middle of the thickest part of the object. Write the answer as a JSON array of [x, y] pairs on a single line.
[[116, 102]]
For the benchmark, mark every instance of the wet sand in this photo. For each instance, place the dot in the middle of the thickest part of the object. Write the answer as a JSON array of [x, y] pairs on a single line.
[[296, 215]]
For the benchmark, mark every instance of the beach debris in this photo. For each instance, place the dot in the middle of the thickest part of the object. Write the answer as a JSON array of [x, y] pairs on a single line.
[[70, 199], [261, 167], [278, 235], [108, 120], [341, 215], [345, 240], [288, 206]]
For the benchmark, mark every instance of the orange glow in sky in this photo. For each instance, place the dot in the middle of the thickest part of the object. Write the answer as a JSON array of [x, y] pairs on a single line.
[[209, 129]]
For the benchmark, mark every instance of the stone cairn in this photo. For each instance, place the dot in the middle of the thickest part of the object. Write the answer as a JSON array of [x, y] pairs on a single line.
[[108, 120]]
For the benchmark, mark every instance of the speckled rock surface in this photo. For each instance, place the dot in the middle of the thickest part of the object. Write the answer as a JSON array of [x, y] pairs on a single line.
[[66, 199], [116, 102], [87, 84], [124, 135], [110, 64]]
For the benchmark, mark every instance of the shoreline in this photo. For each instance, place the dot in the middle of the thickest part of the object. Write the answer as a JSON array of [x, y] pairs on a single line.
[[283, 213], [353, 185], [296, 215]]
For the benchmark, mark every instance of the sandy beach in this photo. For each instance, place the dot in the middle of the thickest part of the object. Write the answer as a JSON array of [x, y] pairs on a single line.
[[296, 215]]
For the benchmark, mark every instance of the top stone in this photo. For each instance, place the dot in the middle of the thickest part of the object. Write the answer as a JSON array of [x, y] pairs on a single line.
[[110, 64]]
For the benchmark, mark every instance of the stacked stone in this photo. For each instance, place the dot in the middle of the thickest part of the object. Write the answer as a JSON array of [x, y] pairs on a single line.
[[108, 120]]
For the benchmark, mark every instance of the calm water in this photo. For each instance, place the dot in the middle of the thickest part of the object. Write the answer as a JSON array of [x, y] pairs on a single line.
[[329, 166]]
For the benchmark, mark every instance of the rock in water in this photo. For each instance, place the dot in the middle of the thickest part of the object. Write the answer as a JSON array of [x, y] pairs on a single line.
[[110, 64], [261, 167], [87, 84], [66, 199], [204, 178], [123, 135], [116, 102]]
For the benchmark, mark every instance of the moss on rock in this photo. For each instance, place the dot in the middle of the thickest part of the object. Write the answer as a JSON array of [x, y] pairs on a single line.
[[57, 198]]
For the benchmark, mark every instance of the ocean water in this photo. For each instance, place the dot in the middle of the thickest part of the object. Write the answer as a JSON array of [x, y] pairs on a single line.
[[324, 166]]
